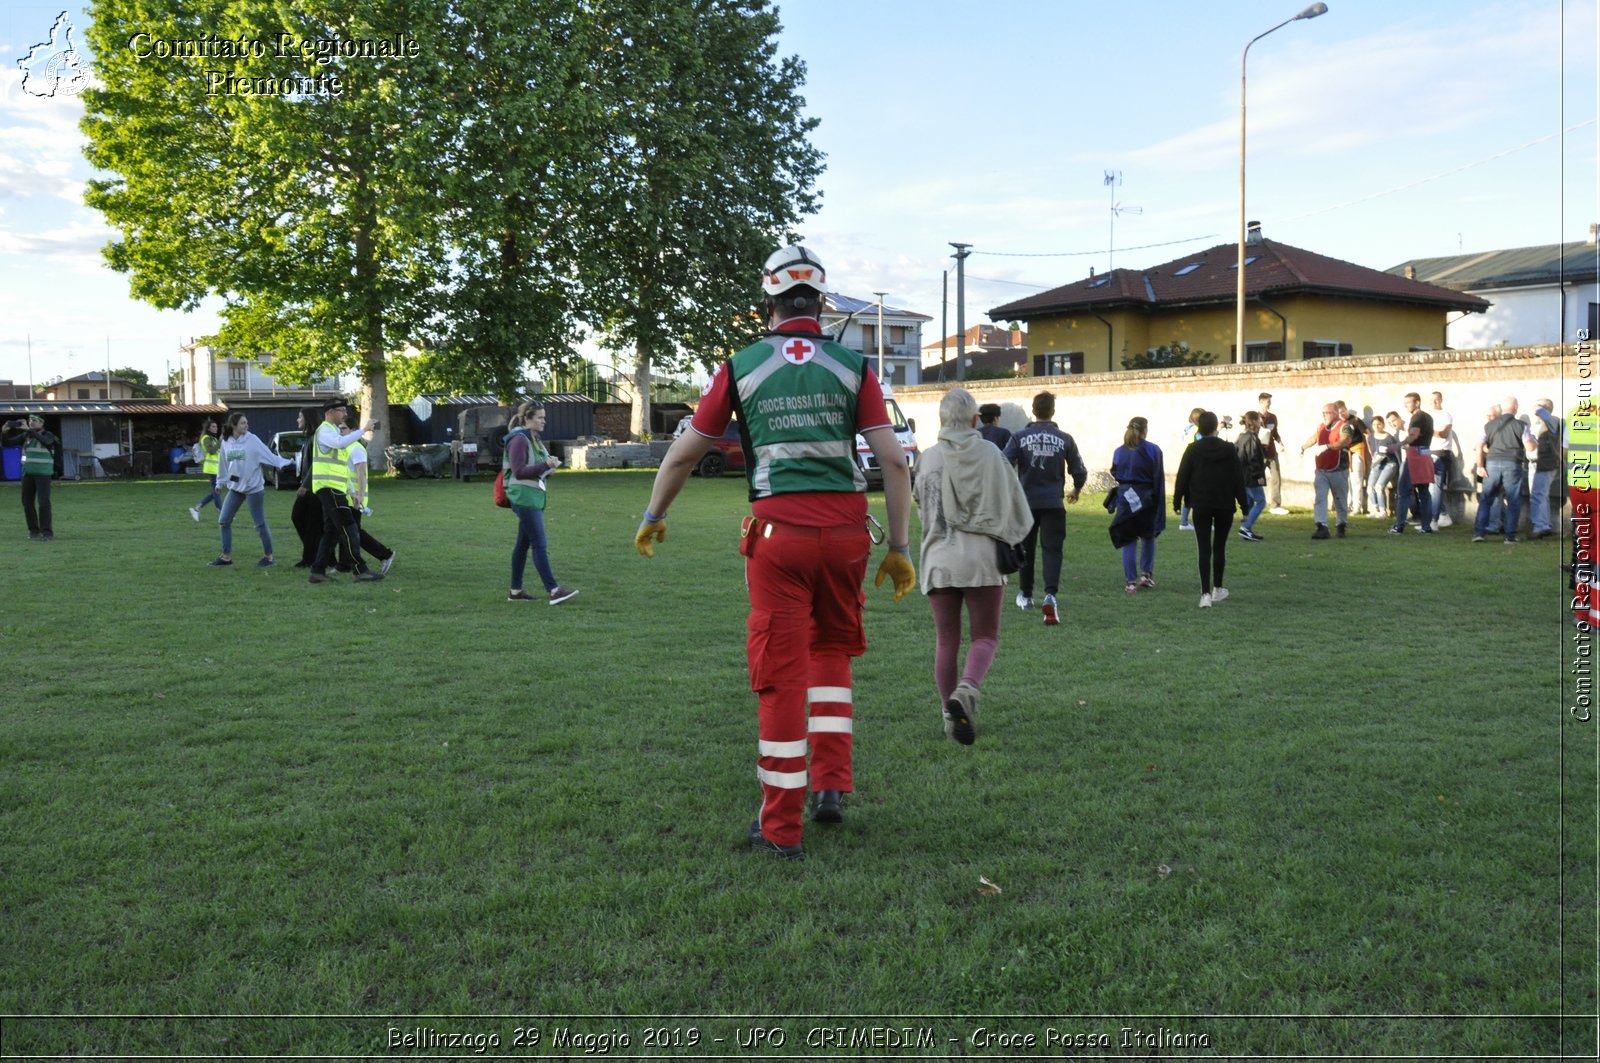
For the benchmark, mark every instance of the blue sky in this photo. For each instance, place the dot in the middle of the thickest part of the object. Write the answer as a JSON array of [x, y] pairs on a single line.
[[1377, 132]]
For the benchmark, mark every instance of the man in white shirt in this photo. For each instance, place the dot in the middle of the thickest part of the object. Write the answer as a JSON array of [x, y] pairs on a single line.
[[1444, 441], [359, 508]]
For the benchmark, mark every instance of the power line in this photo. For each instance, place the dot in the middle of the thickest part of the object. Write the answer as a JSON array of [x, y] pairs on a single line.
[[1081, 254]]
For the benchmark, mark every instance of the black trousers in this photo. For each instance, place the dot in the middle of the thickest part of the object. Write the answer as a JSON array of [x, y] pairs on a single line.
[[1046, 536], [339, 531], [307, 518], [36, 503], [1211, 543], [368, 543]]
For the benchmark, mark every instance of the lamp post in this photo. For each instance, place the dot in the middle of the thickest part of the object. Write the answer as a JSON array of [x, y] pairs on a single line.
[[880, 296], [1238, 333]]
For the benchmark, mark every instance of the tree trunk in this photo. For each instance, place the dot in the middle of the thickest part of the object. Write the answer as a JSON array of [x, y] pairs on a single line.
[[375, 405], [639, 418]]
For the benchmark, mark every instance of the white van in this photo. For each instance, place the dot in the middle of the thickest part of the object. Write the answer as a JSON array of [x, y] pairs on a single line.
[[903, 431]]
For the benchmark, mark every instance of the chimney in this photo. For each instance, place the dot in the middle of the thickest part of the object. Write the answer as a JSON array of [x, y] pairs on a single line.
[[1253, 232], [1411, 273]]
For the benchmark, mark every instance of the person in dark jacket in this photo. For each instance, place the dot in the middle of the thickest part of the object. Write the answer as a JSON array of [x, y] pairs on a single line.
[[307, 513], [1043, 455], [1138, 504], [1253, 457], [989, 425], [39, 449], [1211, 481]]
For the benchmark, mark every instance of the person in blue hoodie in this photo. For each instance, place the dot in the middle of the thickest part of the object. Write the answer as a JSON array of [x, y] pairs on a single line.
[[1043, 455], [1137, 504]]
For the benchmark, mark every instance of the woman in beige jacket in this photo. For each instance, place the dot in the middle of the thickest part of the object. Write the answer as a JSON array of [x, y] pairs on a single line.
[[970, 501]]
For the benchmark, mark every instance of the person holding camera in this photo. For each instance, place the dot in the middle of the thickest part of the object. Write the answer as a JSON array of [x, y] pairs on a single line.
[[38, 465], [330, 485], [240, 481]]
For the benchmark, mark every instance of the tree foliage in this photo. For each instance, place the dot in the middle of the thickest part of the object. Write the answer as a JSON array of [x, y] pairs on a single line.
[[1176, 353], [139, 380], [523, 170]]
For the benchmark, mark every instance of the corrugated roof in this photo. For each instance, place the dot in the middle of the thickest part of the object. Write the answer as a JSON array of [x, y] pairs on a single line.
[[60, 406], [1209, 277], [1516, 267]]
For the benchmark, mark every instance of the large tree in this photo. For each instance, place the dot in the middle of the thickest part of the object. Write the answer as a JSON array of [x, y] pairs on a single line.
[[312, 214], [705, 172], [517, 169]]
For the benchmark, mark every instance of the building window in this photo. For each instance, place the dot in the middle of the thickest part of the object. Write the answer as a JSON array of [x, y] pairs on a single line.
[[103, 394], [1325, 349], [1185, 271], [1058, 363], [1260, 352], [236, 376], [897, 334], [1594, 323], [83, 393]]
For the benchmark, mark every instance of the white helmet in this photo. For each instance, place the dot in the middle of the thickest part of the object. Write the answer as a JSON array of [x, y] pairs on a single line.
[[792, 267]]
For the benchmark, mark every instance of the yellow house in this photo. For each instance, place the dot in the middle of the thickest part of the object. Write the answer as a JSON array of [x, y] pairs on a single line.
[[1298, 305]]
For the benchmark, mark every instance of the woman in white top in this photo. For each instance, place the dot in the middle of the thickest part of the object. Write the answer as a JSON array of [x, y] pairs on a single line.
[[970, 501], [239, 478]]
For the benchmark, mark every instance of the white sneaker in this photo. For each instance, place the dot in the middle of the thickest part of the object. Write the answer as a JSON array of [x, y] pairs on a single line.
[[1220, 594], [1186, 527], [388, 563], [1205, 601], [1444, 521], [1024, 602], [194, 511], [1279, 510]]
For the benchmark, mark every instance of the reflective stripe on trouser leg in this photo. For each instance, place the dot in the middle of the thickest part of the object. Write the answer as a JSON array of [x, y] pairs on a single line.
[[829, 701], [781, 770]]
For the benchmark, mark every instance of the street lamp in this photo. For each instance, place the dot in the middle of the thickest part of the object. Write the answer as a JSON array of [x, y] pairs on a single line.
[[1311, 12], [962, 251]]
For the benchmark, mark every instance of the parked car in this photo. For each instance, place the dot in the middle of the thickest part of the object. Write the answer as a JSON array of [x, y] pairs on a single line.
[[287, 444], [726, 453], [904, 432]]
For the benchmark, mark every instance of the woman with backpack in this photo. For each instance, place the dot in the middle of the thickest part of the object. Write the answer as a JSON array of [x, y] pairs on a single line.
[[206, 452], [1138, 504], [523, 468]]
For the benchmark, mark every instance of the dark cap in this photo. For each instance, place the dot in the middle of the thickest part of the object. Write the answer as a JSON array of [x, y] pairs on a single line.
[[334, 403]]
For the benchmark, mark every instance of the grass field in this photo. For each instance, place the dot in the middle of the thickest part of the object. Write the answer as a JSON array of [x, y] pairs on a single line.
[[1344, 813]]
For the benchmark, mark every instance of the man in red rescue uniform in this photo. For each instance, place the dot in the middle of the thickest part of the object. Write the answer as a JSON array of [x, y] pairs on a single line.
[[800, 400]]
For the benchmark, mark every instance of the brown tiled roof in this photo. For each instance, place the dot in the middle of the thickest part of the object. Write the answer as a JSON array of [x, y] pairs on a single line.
[[1274, 269]]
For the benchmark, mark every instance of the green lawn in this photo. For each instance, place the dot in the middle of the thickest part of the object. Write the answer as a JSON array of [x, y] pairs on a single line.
[[1344, 813]]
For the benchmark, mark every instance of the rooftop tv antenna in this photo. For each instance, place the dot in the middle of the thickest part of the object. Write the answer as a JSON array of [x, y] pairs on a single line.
[[1113, 181]]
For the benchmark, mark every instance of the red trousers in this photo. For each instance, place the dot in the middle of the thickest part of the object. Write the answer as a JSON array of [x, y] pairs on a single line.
[[804, 626], [1585, 524]]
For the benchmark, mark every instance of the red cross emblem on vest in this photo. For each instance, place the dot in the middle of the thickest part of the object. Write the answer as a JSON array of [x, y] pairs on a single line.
[[798, 352]]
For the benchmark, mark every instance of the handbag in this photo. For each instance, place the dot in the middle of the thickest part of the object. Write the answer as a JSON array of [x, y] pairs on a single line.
[[1008, 556], [500, 498]]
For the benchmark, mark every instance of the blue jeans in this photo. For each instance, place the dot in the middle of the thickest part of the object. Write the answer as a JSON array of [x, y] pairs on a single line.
[[258, 513], [1441, 478], [1408, 493], [1144, 553], [1380, 477], [1258, 502], [1539, 501], [1503, 479], [211, 496], [530, 536]]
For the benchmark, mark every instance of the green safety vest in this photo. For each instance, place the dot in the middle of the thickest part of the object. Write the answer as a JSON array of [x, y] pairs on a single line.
[[330, 468], [796, 398], [37, 458], [1583, 442], [529, 494], [210, 448]]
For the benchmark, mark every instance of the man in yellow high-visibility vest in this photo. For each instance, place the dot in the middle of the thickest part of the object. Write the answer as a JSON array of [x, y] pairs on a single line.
[[330, 485]]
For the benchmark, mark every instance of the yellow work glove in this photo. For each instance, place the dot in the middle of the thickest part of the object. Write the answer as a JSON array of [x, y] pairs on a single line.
[[897, 566], [651, 528]]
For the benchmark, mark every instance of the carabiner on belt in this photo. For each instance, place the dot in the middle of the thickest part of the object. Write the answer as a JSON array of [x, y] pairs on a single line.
[[874, 530]]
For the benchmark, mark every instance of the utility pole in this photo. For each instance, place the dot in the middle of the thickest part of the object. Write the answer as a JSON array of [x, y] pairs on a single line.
[[944, 323], [880, 296], [961, 307]]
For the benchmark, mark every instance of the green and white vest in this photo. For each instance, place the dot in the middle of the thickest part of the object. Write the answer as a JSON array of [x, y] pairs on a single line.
[[796, 398]]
